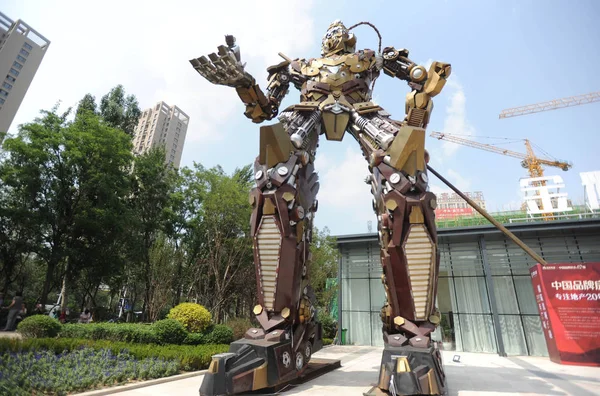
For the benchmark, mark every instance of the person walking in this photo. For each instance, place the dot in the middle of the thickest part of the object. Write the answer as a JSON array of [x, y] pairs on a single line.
[[14, 308]]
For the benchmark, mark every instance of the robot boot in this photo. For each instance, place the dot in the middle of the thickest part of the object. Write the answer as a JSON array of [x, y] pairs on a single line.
[[284, 203]]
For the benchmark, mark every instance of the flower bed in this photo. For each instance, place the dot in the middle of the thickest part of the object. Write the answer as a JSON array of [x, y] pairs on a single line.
[[187, 357], [26, 373]]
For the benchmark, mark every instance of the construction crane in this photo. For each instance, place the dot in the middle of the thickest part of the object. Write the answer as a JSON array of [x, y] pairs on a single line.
[[529, 161], [551, 105]]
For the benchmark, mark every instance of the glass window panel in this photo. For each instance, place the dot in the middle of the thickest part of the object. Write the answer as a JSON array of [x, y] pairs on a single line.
[[589, 247], [26, 45], [445, 295], [355, 293], [359, 327], [535, 336], [477, 333], [464, 258], [512, 335], [376, 329], [471, 295], [506, 300], [497, 256], [457, 335], [527, 303], [377, 295]]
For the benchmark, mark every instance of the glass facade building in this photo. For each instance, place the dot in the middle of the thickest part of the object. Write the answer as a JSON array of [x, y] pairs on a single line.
[[484, 289]]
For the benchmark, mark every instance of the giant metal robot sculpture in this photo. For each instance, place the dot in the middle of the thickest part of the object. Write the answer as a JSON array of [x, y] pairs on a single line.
[[335, 98]]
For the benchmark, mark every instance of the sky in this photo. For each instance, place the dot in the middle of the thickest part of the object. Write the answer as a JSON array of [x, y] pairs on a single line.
[[503, 54]]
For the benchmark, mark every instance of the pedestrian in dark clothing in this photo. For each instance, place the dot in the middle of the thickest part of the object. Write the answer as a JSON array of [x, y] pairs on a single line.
[[14, 308]]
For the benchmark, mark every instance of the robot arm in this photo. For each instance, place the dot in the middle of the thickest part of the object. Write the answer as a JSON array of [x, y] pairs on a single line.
[[225, 68], [261, 107], [425, 84]]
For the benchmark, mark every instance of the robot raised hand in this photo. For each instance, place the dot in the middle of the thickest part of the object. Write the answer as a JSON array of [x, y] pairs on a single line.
[[224, 67]]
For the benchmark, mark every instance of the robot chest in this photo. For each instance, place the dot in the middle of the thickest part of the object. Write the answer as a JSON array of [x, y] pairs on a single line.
[[337, 71]]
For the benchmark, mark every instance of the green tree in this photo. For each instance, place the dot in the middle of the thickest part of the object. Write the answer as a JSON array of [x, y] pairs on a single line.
[[74, 177], [217, 243], [323, 265], [88, 103], [153, 183], [120, 111]]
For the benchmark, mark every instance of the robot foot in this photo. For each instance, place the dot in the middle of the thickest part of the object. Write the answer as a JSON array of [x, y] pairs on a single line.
[[253, 364], [408, 370]]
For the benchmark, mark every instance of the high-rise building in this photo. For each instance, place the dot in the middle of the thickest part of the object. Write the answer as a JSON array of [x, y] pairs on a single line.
[[21, 52], [162, 125]]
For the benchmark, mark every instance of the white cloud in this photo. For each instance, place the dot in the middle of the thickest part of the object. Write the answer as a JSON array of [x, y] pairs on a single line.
[[146, 47], [456, 121], [459, 180]]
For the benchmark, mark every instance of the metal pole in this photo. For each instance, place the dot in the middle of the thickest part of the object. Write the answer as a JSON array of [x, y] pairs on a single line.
[[492, 295], [485, 214]]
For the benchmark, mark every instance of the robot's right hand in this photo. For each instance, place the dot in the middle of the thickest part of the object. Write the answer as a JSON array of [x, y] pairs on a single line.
[[225, 67]]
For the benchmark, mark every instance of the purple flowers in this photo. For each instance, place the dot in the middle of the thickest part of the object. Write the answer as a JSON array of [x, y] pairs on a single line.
[[78, 370]]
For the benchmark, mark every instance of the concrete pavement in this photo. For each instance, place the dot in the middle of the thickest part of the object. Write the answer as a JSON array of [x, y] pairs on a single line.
[[476, 374]]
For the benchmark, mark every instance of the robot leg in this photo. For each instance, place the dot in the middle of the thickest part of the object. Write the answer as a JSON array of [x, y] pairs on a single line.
[[284, 203], [411, 363]]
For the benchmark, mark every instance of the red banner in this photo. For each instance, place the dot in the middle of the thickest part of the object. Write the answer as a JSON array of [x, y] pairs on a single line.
[[568, 299], [441, 214]]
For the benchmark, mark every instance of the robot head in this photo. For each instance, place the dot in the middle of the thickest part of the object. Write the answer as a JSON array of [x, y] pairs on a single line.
[[337, 39]]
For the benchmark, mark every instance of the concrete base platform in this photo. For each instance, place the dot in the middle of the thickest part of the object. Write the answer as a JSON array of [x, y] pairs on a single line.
[[316, 367]]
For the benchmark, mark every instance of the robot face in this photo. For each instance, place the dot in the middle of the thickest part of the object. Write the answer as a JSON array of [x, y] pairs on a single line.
[[335, 39]]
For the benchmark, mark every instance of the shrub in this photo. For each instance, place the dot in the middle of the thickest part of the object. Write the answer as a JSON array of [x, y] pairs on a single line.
[[328, 323], [39, 326], [126, 332], [239, 327], [327, 341], [169, 331], [194, 317], [194, 339], [219, 334], [188, 357]]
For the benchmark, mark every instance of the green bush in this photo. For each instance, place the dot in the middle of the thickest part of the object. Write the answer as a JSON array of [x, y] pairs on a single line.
[[194, 339], [219, 334], [194, 317], [126, 332], [39, 326], [239, 327], [328, 324], [327, 341], [169, 331], [188, 357]]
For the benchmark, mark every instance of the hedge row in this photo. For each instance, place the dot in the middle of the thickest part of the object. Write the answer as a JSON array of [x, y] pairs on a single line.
[[188, 357], [166, 331]]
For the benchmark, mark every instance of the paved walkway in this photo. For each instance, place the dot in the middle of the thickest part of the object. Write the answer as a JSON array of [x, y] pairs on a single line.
[[476, 374]]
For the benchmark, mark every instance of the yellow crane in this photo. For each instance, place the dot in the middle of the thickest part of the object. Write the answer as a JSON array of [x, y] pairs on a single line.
[[551, 105], [529, 161]]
